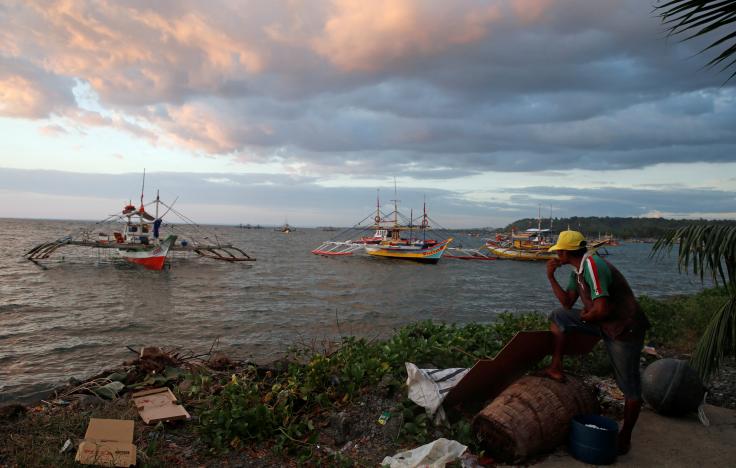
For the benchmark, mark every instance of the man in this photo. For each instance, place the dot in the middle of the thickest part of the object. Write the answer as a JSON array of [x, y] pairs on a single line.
[[609, 310]]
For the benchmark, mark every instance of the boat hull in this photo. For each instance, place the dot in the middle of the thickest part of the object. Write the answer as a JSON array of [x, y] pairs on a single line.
[[424, 255], [153, 258]]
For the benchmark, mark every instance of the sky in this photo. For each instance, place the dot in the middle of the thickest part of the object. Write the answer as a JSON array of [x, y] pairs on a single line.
[[304, 110]]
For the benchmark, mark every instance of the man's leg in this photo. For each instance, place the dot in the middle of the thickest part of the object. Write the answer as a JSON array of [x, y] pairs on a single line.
[[632, 408], [562, 321], [554, 371], [625, 361]]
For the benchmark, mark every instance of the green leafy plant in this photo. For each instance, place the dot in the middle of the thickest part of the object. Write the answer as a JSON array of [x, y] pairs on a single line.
[[709, 250]]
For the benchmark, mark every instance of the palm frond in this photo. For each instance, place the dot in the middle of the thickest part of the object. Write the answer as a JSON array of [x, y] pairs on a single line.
[[718, 340], [702, 17], [708, 248]]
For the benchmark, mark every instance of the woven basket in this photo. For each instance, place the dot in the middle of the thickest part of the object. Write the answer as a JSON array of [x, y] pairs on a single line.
[[532, 415]]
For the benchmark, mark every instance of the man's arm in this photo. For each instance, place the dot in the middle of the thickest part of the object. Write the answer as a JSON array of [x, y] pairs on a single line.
[[601, 309], [566, 298]]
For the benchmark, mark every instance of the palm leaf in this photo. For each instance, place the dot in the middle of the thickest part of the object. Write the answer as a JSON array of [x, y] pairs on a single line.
[[708, 248], [699, 18], [718, 340]]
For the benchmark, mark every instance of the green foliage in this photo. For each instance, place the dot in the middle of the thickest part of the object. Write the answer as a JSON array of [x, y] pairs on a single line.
[[284, 407], [253, 407], [709, 249]]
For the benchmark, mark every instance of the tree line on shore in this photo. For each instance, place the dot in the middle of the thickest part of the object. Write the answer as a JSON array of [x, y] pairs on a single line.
[[624, 228]]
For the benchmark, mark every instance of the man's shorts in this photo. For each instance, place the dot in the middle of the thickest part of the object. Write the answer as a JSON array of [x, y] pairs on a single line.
[[624, 355]]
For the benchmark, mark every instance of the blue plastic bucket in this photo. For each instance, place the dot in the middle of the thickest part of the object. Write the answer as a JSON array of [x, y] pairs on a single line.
[[594, 445]]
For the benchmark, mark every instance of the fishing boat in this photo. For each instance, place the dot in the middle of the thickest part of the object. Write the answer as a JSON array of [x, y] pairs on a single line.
[[135, 236], [393, 236], [530, 245]]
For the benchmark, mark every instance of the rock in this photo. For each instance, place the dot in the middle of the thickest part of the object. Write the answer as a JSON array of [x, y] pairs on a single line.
[[85, 402], [219, 361], [11, 412], [340, 425]]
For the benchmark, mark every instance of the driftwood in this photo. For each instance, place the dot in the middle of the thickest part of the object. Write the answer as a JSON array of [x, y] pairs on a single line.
[[532, 415]]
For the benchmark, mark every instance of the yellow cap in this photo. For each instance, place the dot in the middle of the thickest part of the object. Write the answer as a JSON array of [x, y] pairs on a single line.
[[569, 240]]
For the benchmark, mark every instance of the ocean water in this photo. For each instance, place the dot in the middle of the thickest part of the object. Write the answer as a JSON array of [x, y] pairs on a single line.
[[76, 318]]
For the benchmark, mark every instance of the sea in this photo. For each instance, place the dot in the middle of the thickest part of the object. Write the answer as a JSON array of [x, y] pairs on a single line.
[[84, 313]]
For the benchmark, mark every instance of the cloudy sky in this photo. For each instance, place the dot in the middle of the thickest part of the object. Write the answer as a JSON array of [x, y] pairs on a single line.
[[259, 111]]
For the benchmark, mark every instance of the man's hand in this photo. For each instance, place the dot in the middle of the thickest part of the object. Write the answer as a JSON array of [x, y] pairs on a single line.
[[552, 265], [586, 315], [600, 311]]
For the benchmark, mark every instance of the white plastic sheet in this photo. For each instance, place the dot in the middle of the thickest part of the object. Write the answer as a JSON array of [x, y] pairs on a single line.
[[433, 455], [428, 387]]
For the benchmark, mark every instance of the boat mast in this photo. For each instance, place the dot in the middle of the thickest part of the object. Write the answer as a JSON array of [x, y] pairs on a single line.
[[539, 224], [142, 208], [396, 205], [425, 223], [377, 218]]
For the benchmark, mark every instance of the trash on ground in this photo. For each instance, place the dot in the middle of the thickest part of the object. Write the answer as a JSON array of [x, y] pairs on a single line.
[[110, 390], [158, 404], [108, 442], [435, 454], [66, 447], [428, 387], [385, 416]]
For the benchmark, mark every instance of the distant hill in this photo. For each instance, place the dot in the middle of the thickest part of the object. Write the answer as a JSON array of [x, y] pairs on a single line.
[[619, 227]]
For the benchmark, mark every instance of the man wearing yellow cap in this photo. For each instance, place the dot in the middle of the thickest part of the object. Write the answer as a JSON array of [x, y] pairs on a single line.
[[610, 310]]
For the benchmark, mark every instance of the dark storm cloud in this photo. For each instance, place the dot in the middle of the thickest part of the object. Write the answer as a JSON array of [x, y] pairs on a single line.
[[526, 85]]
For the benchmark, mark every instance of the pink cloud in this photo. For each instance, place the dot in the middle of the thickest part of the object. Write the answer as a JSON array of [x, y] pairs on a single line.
[[366, 36]]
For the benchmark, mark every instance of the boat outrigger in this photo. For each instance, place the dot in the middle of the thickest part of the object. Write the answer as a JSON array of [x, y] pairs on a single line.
[[136, 238], [394, 236]]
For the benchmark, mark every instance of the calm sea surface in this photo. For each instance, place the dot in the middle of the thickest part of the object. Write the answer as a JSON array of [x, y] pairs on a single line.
[[77, 317]]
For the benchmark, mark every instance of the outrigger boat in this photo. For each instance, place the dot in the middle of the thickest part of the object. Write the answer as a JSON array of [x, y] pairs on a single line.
[[394, 236], [136, 238], [530, 245]]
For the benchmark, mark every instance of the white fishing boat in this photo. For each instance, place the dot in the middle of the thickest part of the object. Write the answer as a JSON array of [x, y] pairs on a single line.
[[136, 236]]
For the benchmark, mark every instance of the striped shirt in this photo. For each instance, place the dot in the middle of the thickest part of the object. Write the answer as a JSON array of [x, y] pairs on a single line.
[[597, 278]]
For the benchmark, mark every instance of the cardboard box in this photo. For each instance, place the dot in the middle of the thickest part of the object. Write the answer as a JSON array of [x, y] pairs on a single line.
[[158, 404], [107, 442]]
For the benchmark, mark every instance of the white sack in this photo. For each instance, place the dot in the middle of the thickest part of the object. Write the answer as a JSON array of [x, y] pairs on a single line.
[[433, 455]]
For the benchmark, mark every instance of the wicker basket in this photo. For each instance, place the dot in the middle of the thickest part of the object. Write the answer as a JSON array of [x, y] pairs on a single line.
[[532, 415]]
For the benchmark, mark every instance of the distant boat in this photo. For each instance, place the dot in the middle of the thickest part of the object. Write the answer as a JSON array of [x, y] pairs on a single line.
[[285, 228]]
